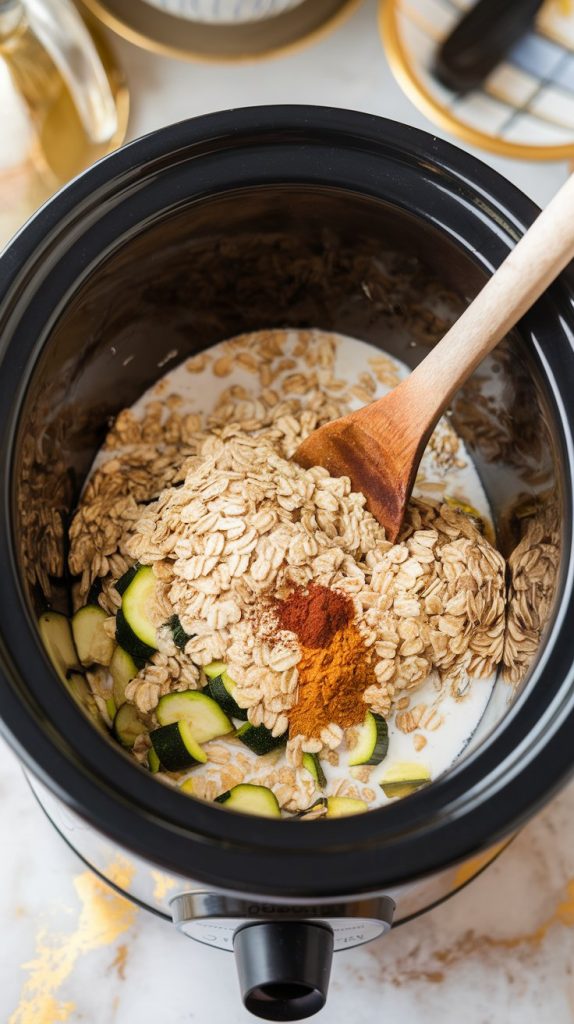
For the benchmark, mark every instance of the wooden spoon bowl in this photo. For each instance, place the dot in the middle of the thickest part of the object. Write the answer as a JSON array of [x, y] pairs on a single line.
[[379, 447]]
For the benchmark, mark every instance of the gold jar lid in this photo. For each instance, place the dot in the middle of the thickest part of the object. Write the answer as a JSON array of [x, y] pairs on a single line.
[[156, 30]]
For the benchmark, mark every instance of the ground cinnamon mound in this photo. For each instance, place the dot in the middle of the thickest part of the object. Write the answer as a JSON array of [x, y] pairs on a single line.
[[332, 682], [315, 614], [335, 668]]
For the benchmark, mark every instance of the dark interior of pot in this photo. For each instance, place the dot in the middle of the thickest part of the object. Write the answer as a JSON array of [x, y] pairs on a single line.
[[287, 256]]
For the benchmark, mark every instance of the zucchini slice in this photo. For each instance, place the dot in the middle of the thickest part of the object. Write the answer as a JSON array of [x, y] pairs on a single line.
[[79, 688], [220, 687], [313, 765], [187, 787], [176, 747], [405, 778], [111, 708], [215, 668], [320, 802], [81, 693], [125, 580], [127, 639], [92, 642], [56, 634], [372, 742], [128, 725], [123, 669], [251, 800], [259, 739], [153, 761], [342, 806], [75, 681], [180, 637], [205, 718], [137, 599]]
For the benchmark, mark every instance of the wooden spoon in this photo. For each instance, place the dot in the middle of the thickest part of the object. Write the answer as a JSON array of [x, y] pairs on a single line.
[[380, 446]]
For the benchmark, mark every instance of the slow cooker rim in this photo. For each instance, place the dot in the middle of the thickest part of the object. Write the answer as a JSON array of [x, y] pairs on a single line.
[[280, 119]]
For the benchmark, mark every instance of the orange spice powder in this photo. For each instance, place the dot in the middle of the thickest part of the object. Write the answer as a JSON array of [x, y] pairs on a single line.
[[332, 681]]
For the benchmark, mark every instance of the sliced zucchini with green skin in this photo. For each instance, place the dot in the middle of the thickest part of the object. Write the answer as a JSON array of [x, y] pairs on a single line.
[[214, 669], [176, 747], [128, 725], [92, 642], [123, 669], [259, 739], [153, 762], [342, 806], [127, 639], [205, 718], [125, 580], [321, 802], [221, 688], [405, 778], [313, 765], [137, 599], [251, 800], [372, 742], [180, 637], [79, 688], [56, 634]]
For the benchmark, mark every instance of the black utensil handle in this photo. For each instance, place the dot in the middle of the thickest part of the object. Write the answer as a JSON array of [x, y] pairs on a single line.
[[480, 41]]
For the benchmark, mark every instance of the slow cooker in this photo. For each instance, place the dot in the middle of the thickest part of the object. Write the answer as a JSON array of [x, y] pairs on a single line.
[[253, 218]]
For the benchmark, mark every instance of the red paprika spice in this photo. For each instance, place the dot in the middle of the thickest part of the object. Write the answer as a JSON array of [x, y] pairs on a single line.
[[335, 668], [314, 614]]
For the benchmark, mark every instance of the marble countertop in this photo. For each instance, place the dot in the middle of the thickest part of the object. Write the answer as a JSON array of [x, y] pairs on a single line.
[[502, 950]]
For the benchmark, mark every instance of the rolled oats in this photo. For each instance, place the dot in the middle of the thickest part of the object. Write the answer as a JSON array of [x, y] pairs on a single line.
[[216, 507]]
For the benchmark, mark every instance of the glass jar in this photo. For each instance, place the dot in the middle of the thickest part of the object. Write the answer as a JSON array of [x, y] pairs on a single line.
[[63, 101]]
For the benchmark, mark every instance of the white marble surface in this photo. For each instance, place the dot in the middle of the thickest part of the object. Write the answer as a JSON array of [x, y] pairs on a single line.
[[500, 951]]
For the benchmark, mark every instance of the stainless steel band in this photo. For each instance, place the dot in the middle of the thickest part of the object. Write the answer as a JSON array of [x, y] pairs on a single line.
[[213, 919]]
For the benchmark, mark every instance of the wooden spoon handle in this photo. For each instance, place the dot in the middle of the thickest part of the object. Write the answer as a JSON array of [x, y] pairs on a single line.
[[536, 260]]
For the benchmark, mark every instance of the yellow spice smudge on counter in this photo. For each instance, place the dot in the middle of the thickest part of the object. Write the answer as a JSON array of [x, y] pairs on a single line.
[[103, 917], [120, 960]]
